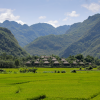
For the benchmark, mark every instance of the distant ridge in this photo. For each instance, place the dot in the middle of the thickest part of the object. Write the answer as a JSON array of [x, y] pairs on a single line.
[[26, 34], [57, 44], [89, 44]]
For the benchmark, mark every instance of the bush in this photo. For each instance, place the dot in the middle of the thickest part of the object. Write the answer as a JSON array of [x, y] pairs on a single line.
[[98, 67], [41, 97], [63, 71], [80, 68], [24, 70], [55, 71], [7, 64], [58, 71], [73, 71], [33, 70], [89, 68], [1, 70]]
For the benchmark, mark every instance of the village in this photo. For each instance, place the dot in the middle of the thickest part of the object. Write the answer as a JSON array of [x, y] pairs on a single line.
[[50, 61]]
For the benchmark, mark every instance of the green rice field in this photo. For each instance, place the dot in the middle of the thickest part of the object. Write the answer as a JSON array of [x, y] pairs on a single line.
[[82, 85]]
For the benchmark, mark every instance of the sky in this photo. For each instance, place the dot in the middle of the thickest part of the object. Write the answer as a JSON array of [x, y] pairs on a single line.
[[54, 12]]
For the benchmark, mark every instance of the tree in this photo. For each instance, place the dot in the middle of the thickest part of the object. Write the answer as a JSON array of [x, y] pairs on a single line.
[[89, 58], [17, 62], [79, 56]]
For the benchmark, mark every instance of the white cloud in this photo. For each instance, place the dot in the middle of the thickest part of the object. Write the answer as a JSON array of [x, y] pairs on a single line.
[[72, 14], [65, 19], [7, 14], [42, 17], [93, 7], [53, 23], [20, 22]]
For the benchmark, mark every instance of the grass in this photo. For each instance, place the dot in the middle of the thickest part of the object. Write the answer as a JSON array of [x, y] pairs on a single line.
[[82, 85]]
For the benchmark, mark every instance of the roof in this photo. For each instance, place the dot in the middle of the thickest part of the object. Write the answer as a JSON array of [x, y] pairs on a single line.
[[56, 62], [46, 62], [47, 56], [45, 59], [65, 62], [28, 62], [74, 62], [54, 59], [81, 63], [42, 56], [36, 62], [37, 59]]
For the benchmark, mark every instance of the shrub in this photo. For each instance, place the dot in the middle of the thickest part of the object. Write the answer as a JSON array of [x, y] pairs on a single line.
[[24, 70], [41, 97], [1, 70], [89, 68], [80, 68], [55, 71], [58, 71], [73, 71], [98, 67], [32, 70], [63, 71]]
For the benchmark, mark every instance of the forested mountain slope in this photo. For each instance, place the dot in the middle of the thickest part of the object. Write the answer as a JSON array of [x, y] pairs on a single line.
[[26, 34], [9, 44], [89, 44], [56, 44]]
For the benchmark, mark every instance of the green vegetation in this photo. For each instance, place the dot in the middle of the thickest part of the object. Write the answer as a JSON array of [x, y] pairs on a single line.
[[26, 34], [53, 61], [87, 45], [9, 44], [83, 85], [57, 44]]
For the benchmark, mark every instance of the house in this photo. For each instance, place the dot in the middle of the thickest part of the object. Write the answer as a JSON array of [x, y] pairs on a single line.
[[42, 57], [81, 63], [45, 59], [63, 60], [54, 59], [36, 63], [46, 63], [28, 63], [65, 63], [56, 63], [74, 63]]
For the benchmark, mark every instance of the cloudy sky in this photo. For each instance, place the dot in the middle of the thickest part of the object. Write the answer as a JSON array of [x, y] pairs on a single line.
[[54, 12]]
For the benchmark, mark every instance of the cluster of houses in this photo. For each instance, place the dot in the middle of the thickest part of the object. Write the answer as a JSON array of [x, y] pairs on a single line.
[[48, 60]]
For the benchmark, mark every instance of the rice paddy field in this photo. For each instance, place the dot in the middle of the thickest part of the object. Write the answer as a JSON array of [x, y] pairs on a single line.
[[82, 85]]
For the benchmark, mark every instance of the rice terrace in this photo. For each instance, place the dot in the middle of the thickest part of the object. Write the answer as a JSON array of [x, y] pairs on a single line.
[[48, 85]]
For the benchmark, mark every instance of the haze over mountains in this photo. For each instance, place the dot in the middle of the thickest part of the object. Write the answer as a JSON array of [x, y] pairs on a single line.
[[26, 34]]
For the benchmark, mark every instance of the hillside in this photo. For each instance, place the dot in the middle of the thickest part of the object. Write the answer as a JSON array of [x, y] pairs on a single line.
[[89, 44], [9, 44], [26, 34], [56, 44]]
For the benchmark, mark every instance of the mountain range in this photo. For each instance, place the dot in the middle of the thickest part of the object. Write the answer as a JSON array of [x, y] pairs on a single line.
[[62, 45], [44, 39], [26, 34], [88, 44]]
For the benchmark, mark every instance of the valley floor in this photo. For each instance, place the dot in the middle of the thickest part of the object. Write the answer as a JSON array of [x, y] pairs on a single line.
[[82, 85]]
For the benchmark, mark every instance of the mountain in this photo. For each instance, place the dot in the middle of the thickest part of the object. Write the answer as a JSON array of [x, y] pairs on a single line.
[[9, 44], [89, 44], [56, 44], [26, 34]]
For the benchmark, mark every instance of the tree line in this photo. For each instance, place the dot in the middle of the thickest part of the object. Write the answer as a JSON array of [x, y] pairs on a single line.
[[9, 61]]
